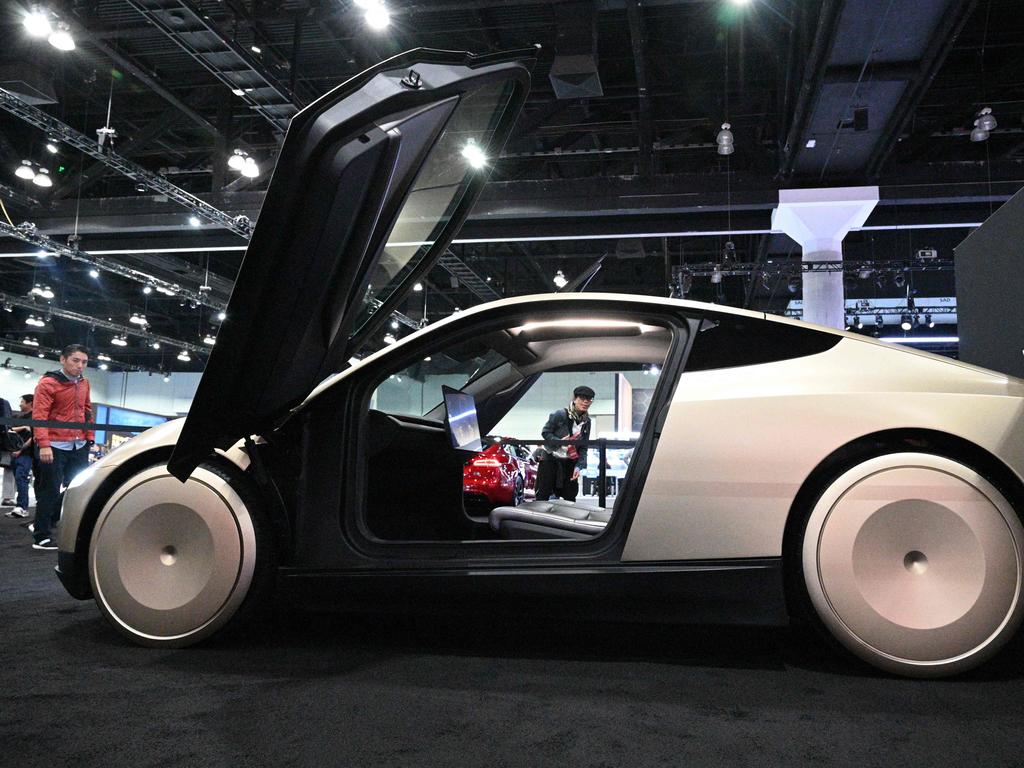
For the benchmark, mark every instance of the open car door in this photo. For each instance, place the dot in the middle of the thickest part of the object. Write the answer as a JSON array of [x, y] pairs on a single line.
[[373, 181]]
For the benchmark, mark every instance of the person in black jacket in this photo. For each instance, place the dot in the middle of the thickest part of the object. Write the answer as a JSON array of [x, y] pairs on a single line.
[[558, 472]]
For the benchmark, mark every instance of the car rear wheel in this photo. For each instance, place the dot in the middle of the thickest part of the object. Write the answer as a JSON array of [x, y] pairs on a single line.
[[173, 563], [518, 492], [913, 562]]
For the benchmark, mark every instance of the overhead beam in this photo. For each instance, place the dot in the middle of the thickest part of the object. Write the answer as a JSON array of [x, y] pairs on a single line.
[[99, 322], [939, 46], [814, 73], [68, 135], [39, 240], [645, 124]]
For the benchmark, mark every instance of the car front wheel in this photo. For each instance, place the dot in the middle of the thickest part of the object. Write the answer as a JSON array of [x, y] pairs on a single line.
[[173, 563], [913, 562]]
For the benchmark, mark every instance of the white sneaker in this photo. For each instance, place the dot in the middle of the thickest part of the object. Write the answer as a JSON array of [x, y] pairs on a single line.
[[16, 512]]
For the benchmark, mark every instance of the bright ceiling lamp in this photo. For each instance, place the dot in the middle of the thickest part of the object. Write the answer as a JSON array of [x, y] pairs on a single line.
[[34, 321], [37, 22], [138, 319], [155, 345], [30, 341], [104, 367], [94, 273], [250, 169], [184, 356], [222, 316], [389, 338], [194, 221], [43, 291], [61, 38], [237, 159], [209, 339], [167, 377], [377, 16], [905, 323], [119, 341], [103, 358], [24, 171], [560, 280], [42, 178], [474, 154]]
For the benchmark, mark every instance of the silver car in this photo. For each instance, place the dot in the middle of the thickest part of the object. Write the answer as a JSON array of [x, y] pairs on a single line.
[[778, 471]]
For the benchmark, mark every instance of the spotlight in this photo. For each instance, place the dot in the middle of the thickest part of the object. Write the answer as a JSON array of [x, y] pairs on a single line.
[[101, 357], [184, 356], [155, 345], [119, 341], [418, 287], [42, 178], [793, 285], [30, 341], [725, 141], [24, 171], [140, 187], [978, 133], [905, 323], [560, 280], [394, 325], [858, 323], [250, 169], [474, 154], [928, 321], [138, 319], [879, 322], [716, 274], [377, 16], [194, 221], [61, 38], [899, 280], [222, 316], [51, 147], [104, 366], [147, 289], [94, 273], [208, 339], [389, 339], [255, 49], [37, 22], [167, 378], [237, 160]]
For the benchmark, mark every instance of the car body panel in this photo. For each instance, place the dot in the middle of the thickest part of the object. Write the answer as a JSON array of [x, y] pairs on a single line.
[[738, 444]]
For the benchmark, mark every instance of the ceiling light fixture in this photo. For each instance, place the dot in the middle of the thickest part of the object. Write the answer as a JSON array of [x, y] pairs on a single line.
[[37, 22], [184, 356], [209, 339], [101, 357], [250, 170], [42, 178], [905, 323], [560, 280], [119, 341], [222, 316], [24, 171], [167, 377], [725, 140], [194, 221], [51, 147], [94, 273], [417, 287], [61, 38], [138, 319], [155, 345], [104, 366], [377, 16], [147, 289], [389, 338], [928, 321], [30, 341]]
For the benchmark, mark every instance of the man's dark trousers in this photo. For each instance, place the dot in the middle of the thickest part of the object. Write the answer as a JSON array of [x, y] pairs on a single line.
[[66, 464]]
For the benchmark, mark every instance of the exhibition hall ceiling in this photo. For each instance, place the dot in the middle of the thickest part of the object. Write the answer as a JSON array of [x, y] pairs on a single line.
[[619, 153]]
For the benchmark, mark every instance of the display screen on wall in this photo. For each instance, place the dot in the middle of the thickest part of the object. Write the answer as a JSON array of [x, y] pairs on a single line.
[[109, 414]]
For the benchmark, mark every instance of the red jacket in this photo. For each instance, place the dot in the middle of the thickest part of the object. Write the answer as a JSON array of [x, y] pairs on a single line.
[[58, 398]]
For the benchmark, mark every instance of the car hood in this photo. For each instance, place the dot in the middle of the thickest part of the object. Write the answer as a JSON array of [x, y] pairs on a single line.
[[372, 183]]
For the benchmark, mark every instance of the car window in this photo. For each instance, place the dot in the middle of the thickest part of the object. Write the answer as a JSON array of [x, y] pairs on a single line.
[[416, 389], [436, 193], [728, 342]]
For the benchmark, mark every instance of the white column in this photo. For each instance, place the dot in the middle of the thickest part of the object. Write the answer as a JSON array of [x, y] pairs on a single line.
[[818, 220]]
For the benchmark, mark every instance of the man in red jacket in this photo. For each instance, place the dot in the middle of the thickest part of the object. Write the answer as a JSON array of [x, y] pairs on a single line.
[[60, 396]]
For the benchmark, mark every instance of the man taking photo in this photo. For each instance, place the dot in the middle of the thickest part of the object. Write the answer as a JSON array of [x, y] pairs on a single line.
[[62, 453]]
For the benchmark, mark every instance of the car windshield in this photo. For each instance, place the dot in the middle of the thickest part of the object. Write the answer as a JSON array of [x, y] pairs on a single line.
[[436, 193]]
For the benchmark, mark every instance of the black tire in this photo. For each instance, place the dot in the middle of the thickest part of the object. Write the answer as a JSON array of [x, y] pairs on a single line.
[[518, 492], [173, 564]]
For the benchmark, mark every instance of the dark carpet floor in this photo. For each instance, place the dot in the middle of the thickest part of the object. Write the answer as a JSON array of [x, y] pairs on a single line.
[[372, 691]]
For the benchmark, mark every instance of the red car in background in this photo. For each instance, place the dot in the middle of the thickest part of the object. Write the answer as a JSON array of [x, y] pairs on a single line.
[[500, 475]]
